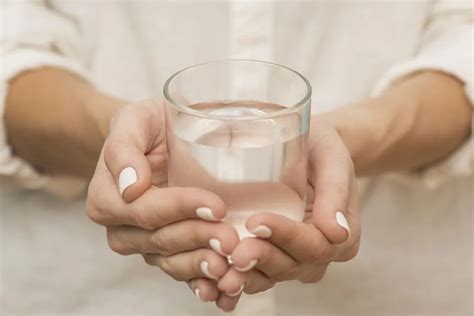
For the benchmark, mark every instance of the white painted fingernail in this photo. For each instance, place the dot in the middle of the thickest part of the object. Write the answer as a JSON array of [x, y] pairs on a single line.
[[205, 269], [206, 214], [342, 221], [127, 177], [237, 292], [215, 244], [262, 231], [196, 292], [248, 267], [229, 260]]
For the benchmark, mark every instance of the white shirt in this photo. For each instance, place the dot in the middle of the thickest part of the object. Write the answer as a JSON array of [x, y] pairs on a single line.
[[416, 251]]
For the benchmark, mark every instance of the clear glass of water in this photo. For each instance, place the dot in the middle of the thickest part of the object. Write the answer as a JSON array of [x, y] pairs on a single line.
[[238, 128]]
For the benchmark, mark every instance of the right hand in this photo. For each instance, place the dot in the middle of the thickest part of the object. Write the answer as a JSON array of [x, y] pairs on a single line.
[[172, 227]]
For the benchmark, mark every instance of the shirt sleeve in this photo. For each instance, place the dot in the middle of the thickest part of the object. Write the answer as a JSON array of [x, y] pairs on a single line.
[[446, 46], [34, 36]]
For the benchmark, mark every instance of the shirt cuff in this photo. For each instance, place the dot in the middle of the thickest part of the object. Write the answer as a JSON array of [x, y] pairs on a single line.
[[461, 162], [13, 168]]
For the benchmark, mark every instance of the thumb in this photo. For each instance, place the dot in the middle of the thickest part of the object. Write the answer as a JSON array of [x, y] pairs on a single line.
[[332, 177], [133, 132]]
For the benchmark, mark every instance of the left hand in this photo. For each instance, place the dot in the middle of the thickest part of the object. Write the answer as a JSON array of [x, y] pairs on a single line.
[[171, 227], [290, 250]]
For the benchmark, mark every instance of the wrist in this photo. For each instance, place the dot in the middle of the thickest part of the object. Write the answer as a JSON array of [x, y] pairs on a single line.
[[352, 125], [368, 128], [101, 108]]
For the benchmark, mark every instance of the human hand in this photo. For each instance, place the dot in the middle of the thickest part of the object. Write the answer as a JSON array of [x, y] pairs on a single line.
[[172, 227], [289, 250]]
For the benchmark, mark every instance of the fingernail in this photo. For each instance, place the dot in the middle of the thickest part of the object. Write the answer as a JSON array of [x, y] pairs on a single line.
[[215, 245], [248, 267], [127, 177], [196, 292], [262, 231], [205, 213], [237, 292], [342, 221], [205, 269], [229, 260]]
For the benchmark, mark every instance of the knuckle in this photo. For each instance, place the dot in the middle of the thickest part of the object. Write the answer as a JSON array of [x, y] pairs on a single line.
[[158, 244], [116, 244], [314, 277], [165, 265], [93, 212], [95, 204], [111, 151], [150, 259], [142, 219], [162, 263]]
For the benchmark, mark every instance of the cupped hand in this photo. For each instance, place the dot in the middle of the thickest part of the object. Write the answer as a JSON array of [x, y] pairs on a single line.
[[177, 229], [290, 250]]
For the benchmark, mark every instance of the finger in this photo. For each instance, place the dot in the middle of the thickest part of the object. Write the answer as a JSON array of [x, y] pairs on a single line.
[[253, 281], [312, 272], [201, 263], [332, 171], [302, 241], [157, 207], [227, 303], [350, 248], [232, 283], [266, 257], [134, 131], [168, 205], [174, 238], [257, 282], [204, 289]]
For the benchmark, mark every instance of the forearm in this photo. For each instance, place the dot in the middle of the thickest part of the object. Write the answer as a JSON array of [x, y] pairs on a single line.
[[57, 121], [417, 122]]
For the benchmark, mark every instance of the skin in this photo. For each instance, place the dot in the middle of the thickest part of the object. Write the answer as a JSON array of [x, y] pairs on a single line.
[[70, 115], [420, 120]]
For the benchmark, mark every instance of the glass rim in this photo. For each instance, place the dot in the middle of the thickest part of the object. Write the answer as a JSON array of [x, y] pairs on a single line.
[[185, 109]]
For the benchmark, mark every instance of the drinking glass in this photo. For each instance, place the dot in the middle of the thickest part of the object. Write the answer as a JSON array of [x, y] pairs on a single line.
[[238, 128]]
